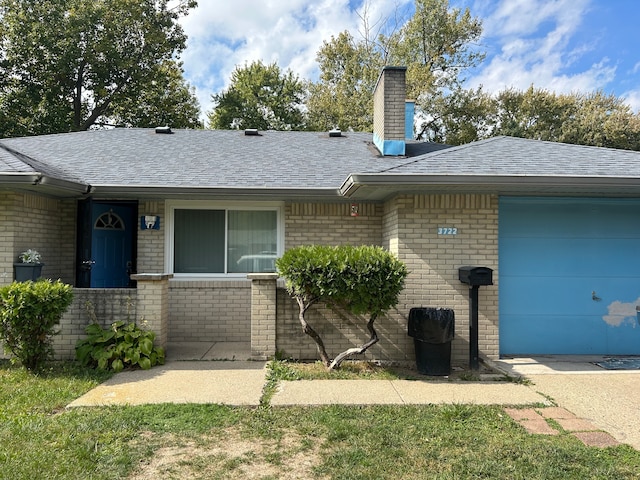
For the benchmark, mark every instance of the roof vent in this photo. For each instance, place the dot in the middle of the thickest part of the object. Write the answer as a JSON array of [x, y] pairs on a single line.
[[251, 132], [336, 132], [166, 129]]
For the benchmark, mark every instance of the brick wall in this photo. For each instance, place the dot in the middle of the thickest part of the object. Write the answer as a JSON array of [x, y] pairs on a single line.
[[433, 261], [332, 224], [101, 305], [41, 223], [217, 311], [7, 216], [221, 310], [151, 242]]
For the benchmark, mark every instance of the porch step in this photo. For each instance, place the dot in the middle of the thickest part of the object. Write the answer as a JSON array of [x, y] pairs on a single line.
[[186, 351]]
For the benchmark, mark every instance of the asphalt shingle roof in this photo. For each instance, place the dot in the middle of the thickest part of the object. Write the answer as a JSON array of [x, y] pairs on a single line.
[[205, 158], [9, 163], [228, 159], [509, 156]]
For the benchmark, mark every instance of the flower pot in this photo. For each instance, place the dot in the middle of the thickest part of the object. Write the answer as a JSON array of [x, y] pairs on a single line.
[[23, 272]]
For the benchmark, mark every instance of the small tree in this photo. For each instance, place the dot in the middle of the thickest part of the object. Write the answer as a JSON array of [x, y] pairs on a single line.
[[363, 280], [29, 312], [260, 96]]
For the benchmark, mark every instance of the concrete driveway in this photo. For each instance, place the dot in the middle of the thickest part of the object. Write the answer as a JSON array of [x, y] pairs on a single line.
[[610, 399]]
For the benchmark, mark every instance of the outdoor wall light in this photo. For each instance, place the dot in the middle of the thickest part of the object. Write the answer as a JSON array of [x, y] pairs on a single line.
[[150, 222]]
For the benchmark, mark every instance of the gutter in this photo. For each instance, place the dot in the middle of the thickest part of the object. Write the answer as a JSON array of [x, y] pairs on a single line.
[[356, 181], [33, 178], [36, 181], [203, 191]]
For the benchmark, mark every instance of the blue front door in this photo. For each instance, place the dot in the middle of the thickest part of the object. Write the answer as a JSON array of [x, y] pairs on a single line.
[[106, 244], [569, 274], [112, 246]]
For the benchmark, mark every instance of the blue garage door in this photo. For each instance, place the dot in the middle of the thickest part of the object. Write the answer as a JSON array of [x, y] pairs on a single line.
[[569, 276]]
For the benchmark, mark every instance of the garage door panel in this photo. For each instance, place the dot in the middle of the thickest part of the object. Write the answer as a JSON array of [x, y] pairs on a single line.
[[538, 217], [543, 334], [556, 295], [573, 265], [577, 335], [538, 256]]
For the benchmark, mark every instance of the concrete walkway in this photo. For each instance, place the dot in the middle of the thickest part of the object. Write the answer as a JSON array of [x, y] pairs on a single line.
[[607, 400], [403, 392], [241, 383], [225, 382]]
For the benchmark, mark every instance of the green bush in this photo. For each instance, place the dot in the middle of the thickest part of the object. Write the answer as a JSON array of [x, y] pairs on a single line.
[[29, 312], [123, 345], [363, 280]]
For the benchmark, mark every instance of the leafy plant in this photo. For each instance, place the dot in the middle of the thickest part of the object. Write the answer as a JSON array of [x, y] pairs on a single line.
[[364, 280], [29, 312], [123, 345], [30, 256]]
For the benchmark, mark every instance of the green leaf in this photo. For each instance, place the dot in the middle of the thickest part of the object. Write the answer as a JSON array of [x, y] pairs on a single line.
[[117, 365], [144, 363], [146, 346]]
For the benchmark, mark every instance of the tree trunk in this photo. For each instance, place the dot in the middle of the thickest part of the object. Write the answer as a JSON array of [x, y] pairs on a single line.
[[354, 351], [306, 328]]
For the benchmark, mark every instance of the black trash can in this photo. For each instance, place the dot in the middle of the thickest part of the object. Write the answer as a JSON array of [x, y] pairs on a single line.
[[432, 330]]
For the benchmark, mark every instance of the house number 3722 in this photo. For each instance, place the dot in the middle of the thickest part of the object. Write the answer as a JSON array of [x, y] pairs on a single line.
[[447, 231]]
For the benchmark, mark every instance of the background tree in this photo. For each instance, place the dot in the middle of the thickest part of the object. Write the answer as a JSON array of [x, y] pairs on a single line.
[[343, 97], [67, 64], [602, 120], [168, 100], [594, 119], [435, 44], [463, 116], [260, 96]]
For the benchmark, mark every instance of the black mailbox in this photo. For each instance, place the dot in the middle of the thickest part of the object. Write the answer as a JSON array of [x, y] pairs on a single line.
[[476, 275]]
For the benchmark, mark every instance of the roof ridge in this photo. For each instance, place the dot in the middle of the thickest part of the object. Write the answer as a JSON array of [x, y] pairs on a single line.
[[435, 153], [40, 167]]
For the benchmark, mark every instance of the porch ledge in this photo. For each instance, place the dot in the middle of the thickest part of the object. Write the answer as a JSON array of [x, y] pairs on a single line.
[[150, 277], [262, 276]]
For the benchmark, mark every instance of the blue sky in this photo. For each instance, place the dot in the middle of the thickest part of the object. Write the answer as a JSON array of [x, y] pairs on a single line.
[[559, 45]]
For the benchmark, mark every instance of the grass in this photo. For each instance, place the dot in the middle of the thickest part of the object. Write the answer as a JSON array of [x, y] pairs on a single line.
[[39, 438]]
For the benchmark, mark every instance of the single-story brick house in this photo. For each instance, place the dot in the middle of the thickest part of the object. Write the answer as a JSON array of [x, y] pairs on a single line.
[[182, 230]]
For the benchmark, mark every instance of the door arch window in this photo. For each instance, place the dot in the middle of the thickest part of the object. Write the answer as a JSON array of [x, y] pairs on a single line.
[[109, 221]]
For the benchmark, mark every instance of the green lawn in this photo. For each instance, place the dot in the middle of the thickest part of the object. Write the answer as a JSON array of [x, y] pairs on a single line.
[[40, 439]]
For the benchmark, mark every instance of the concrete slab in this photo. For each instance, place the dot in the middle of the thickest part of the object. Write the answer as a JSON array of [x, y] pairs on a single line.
[[229, 351], [478, 393], [229, 383], [330, 392], [554, 365], [387, 392], [188, 351]]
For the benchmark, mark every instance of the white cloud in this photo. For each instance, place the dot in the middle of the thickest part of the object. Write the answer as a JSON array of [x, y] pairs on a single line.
[[223, 35], [632, 98], [534, 37], [528, 41]]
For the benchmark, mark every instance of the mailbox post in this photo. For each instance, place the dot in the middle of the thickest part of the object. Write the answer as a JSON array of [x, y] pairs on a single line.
[[474, 277]]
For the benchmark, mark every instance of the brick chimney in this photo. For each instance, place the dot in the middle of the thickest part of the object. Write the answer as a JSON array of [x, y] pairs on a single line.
[[389, 114]]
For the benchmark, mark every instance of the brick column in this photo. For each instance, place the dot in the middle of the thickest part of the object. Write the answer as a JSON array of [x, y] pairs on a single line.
[[152, 304], [263, 315]]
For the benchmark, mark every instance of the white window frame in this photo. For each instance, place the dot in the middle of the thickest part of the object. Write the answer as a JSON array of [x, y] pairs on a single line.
[[172, 205]]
